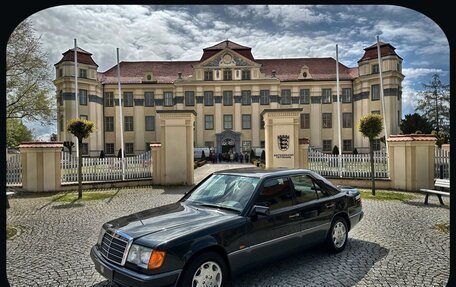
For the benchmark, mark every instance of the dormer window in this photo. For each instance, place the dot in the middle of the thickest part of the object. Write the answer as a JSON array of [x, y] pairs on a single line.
[[208, 75], [375, 69], [83, 73], [246, 74], [149, 77], [304, 74]]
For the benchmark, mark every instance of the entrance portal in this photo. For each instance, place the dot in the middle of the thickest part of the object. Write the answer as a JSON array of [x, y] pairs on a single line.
[[228, 140], [228, 145]]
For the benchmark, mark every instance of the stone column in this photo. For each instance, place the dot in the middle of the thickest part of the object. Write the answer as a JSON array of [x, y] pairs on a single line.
[[176, 154], [155, 167], [411, 161], [304, 153], [41, 166], [281, 137]]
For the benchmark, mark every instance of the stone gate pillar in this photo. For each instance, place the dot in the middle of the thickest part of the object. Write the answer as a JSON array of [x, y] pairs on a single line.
[[41, 166], [411, 161], [282, 137], [176, 153], [304, 153]]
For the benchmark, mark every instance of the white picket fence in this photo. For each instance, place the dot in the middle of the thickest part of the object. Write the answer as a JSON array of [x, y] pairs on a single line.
[[105, 169], [442, 163], [349, 165], [14, 170]]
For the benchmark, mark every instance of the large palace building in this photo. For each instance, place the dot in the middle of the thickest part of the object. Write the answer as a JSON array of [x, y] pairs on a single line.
[[228, 89]]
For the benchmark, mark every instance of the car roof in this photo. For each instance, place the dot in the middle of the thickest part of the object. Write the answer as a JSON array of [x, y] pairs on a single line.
[[261, 172]]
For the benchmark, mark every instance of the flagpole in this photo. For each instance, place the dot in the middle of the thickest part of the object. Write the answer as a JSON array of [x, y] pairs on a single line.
[[338, 111], [382, 97], [120, 116], [76, 90]]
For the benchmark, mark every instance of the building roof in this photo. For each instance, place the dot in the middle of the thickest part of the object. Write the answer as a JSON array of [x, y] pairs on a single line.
[[84, 57], [242, 50], [386, 49]]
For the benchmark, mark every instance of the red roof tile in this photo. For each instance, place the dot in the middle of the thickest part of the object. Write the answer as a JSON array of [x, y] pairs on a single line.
[[386, 49], [84, 57], [227, 44]]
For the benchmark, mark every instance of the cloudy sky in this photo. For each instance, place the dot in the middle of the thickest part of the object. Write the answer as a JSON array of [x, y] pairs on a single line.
[[181, 32]]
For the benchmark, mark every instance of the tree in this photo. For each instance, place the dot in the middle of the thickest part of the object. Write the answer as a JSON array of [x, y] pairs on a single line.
[[434, 103], [81, 129], [16, 132], [53, 137], [28, 78], [415, 122], [371, 126]]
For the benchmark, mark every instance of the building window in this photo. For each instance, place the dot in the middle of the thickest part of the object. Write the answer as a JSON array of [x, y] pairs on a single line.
[[326, 96], [189, 98], [346, 95], [209, 122], [83, 97], [208, 98], [128, 123], [262, 123], [304, 96], [227, 98], [227, 75], [60, 73], [376, 144], [84, 117], [246, 98], [109, 99], [246, 122], [228, 122], [83, 73], [347, 120], [208, 144], [150, 123], [375, 69], [262, 144], [246, 146], [305, 121], [109, 124], [399, 67], [347, 145], [85, 149], [376, 112], [168, 99], [285, 98], [264, 97], [129, 148], [149, 99], [245, 75], [375, 92], [327, 145], [128, 99], [109, 148], [327, 120], [208, 75]]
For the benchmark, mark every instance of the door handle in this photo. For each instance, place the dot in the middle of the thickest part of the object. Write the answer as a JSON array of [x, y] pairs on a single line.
[[294, 215], [329, 205]]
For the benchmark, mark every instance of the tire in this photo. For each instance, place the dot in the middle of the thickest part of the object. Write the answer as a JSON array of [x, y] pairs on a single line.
[[337, 236], [207, 269]]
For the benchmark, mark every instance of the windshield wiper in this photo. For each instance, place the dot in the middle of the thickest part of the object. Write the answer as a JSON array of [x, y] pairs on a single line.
[[219, 206]]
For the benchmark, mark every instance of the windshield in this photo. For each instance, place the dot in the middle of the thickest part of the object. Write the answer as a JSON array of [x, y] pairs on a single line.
[[224, 191]]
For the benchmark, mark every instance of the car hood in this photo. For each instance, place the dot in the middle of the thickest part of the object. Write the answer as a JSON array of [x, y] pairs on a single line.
[[167, 221]]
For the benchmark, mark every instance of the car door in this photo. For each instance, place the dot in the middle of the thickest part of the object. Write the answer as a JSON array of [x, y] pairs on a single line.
[[326, 203], [273, 234]]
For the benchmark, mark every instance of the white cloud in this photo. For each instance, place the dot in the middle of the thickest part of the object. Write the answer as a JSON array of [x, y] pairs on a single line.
[[413, 73]]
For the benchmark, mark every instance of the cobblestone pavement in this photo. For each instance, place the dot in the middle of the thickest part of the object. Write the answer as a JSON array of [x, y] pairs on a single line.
[[394, 245]]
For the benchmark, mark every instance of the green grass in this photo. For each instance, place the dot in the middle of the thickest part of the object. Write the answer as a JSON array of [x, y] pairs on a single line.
[[86, 196], [443, 227], [10, 231], [381, 194]]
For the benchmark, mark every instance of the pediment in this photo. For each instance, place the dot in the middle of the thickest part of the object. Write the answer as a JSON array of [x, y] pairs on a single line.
[[227, 58]]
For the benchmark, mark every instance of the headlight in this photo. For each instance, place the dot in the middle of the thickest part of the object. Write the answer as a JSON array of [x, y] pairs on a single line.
[[100, 236], [145, 257]]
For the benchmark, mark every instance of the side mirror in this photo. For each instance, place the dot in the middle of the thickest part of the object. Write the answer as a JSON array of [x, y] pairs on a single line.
[[260, 210]]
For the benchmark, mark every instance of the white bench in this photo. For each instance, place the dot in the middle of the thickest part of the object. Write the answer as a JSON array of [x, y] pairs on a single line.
[[444, 190]]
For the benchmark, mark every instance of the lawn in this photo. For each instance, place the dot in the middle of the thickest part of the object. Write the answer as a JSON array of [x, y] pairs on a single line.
[[443, 227], [73, 196], [10, 231], [382, 194]]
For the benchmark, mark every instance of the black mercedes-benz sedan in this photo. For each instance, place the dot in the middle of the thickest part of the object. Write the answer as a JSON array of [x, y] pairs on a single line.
[[229, 222]]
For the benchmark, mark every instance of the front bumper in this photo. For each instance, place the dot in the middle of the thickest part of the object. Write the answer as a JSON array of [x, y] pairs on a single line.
[[128, 277]]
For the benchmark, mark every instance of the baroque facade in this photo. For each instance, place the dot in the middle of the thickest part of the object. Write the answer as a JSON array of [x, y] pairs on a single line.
[[228, 89]]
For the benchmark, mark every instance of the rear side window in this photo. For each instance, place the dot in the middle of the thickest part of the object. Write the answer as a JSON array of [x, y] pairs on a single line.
[[275, 194], [304, 188]]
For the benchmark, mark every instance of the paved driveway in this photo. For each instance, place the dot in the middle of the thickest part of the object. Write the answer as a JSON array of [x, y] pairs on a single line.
[[394, 245]]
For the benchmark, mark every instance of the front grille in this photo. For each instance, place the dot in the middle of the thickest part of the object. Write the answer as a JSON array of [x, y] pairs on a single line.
[[114, 246]]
